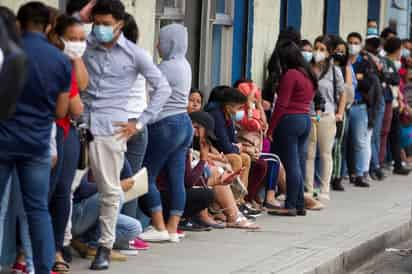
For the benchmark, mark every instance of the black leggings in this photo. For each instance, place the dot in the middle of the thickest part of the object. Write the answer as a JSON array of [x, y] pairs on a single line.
[[197, 199], [395, 138]]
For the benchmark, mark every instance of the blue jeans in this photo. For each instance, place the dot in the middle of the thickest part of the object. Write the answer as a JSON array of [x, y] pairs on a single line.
[[136, 150], [169, 141], [8, 225], [289, 141], [34, 174], [376, 136], [61, 182], [359, 139], [85, 219]]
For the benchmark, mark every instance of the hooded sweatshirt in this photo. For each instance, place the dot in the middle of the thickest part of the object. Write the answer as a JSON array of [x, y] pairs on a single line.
[[173, 43]]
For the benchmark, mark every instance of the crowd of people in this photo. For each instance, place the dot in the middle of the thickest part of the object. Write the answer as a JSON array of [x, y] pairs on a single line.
[[95, 115]]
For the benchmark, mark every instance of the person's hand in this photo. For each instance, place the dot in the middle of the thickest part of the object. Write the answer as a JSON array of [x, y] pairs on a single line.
[[127, 184], [126, 129], [86, 12], [339, 117], [204, 149]]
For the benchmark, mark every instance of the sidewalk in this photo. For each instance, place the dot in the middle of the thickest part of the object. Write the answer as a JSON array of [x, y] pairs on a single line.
[[323, 242]]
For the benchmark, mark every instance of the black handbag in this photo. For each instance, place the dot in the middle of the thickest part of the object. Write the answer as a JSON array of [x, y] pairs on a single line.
[[86, 137]]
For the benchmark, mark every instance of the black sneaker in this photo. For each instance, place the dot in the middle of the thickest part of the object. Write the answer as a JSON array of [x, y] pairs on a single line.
[[337, 184], [401, 171], [247, 211], [360, 182], [380, 174], [102, 259], [190, 225], [67, 254]]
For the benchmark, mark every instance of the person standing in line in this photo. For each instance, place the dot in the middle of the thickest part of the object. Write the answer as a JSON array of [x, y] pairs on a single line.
[[113, 63], [394, 105], [323, 131], [290, 123], [358, 116], [170, 136], [25, 137]]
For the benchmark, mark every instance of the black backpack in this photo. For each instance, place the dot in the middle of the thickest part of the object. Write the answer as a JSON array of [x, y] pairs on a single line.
[[12, 74]]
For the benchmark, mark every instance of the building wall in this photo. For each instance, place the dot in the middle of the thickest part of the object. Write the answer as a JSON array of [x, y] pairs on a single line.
[[312, 19], [15, 4], [266, 29], [354, 16]]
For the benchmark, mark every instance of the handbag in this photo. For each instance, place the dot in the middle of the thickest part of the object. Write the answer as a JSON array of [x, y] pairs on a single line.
[[85, 137], [140, 186], [252, 142]]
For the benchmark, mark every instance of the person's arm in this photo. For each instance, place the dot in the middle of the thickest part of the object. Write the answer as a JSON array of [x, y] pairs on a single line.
[[62, 105], [342, 95], [286, 86], [76, 106], [81, 72], [160, 89], [223, 140]]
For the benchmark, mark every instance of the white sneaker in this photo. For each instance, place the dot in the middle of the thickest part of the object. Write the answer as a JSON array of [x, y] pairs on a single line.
[[153, 235], [324, 197], [174, 237], [131, 251]]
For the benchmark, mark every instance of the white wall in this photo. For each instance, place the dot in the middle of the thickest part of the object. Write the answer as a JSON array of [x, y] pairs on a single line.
[[353, 17], [312, 19], [266, 29], [15, 4]]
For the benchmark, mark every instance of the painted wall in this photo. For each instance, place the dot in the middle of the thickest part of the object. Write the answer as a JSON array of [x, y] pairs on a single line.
[[354, 16], [266, 29], [312, 19], [15, 4]]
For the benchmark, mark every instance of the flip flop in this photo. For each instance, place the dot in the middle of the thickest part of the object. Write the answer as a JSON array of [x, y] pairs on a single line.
[[242, 223], [61, 267]]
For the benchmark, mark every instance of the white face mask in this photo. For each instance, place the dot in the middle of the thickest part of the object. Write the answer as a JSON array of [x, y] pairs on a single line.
[[319, 56], [398, 64], [88, 29], [382, 52], [1, 59], [74, 49], [354, 49]]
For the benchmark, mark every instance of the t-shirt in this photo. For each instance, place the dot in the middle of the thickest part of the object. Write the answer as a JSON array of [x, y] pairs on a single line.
[[326, 88], [64, 123], [27, 133]]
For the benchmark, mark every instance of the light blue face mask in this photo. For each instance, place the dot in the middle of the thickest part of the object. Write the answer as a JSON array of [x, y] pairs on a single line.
[[372, 31], [307, 55], [238, 116], [405, 53], [103, 34]]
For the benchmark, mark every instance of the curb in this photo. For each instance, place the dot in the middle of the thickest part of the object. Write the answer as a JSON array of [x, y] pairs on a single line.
[[350, 260]]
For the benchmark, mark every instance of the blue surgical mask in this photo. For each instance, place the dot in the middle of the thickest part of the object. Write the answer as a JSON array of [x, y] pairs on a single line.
[[103, 34], [307, 55], [405, 53], [372, 31], [398, 64], [238, 116]]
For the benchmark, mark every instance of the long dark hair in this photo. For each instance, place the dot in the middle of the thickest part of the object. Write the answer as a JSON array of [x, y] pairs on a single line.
[[328, 42], [290, 57]]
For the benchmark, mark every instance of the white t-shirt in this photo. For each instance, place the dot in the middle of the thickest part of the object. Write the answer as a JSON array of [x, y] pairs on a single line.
[[138, 98], [53, 145]]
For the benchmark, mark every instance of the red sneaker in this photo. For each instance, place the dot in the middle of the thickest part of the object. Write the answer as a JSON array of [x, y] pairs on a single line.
[[139, 244], [19, 268], [181, 234]]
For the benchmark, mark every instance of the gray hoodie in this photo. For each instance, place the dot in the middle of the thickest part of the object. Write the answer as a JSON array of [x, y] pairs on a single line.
[[173, 43]]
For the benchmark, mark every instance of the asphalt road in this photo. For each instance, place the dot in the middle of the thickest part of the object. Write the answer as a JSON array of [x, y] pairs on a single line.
[[390, 262]]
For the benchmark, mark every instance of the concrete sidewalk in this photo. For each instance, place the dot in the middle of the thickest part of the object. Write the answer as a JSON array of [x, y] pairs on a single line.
[[357, 224]]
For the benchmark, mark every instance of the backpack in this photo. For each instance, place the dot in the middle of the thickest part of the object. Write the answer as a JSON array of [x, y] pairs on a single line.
[[12, 74]]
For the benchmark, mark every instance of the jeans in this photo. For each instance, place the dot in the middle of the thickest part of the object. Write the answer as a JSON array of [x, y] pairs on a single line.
[[345, 146], [136, 150], [359, 139], [85, 219], [289, 138], [376, 137], [62, 178], [7, 225], [34, 175], [169, 141]]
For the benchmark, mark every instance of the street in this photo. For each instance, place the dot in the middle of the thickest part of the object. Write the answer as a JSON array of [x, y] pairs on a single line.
[[389, 262], [284, 245]]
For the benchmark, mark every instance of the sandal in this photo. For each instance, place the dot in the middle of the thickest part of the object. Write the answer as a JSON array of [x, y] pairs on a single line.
[[61, 267], [242, 223]]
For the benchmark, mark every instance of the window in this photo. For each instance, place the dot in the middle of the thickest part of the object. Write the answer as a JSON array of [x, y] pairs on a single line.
[[216, 45], [331, 17]]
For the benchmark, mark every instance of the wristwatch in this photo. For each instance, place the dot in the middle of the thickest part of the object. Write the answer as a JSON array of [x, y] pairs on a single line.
[[139, 126]]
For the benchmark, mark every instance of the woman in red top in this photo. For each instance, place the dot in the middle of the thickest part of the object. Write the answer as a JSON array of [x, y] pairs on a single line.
[[290, 123], [69, 36]]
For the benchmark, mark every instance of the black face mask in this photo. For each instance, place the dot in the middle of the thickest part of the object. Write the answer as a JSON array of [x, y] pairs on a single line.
[[341, 59]]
